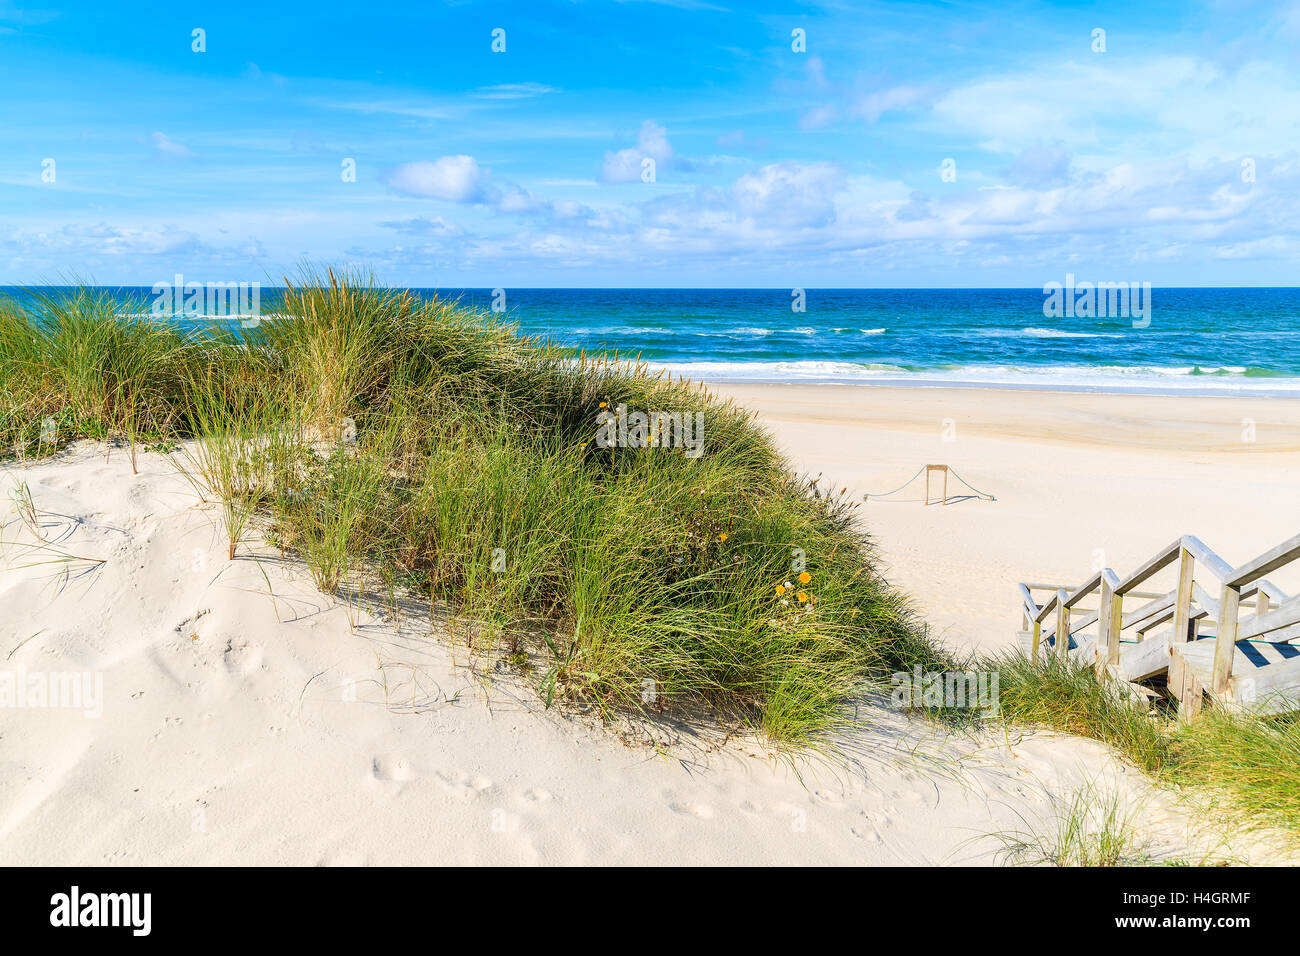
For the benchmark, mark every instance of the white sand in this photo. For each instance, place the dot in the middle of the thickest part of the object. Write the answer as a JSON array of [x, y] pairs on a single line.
[[1079, 478], [241, 729]]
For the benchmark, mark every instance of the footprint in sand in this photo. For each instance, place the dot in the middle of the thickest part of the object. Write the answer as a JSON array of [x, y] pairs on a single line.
[[537, 795], [701, 810], [464, 785], [391, 767]]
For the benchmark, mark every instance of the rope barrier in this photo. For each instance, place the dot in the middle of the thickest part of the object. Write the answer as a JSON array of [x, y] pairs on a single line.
[[919, 472], [900, 487], [982, 494]]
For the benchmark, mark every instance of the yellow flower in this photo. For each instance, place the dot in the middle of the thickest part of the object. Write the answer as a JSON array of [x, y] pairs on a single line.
[[804, 577], [780, 589], [604, 404], [802, 596], [723, 536]]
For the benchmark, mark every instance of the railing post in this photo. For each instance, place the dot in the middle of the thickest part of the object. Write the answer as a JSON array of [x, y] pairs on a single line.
[[1109, 621], [1038, 636], [1225, 643], [1062, 624], [1183, 600]]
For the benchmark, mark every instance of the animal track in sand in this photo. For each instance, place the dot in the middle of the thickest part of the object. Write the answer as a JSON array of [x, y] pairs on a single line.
[[828, 798], [244, 659], [701, 810], [537, 795], [865, 832], [187, 626], [391, 767]]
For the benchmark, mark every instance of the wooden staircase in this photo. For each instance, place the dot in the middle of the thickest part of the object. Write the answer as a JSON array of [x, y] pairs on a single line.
[[1222, 632]]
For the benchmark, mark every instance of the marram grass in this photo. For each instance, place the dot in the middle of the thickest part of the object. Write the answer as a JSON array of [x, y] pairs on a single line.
[[1240, 770], [387, 437]]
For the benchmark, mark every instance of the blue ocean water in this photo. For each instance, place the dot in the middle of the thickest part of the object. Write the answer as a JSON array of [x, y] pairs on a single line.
[[1203, 340]]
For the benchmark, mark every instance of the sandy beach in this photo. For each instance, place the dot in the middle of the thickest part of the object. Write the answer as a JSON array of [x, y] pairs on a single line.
[[247, 719], [1079, 478]]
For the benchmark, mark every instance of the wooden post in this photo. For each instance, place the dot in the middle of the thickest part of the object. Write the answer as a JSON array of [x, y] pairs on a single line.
[[1183, 600], [1062, 624], [1186, 690], [1038, 636], [1110, 618], [944, 469], [1261, 602], [1225, 643]]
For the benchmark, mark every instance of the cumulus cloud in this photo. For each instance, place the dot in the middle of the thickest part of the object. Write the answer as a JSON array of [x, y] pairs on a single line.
[[790, 194], [453, 178], [624, 166]]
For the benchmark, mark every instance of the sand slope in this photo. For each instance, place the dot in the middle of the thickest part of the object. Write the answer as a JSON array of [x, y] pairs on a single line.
[[238, 729]]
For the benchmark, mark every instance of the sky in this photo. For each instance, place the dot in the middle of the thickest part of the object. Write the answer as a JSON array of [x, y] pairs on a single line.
[[652, 144]]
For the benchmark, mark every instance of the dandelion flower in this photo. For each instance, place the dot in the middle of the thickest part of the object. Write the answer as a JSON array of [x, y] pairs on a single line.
[[803, 597], [723, 536], [804, 577], [604, 404], [780, 589]]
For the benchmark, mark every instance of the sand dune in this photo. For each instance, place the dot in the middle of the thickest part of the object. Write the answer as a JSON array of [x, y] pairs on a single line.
[[248, 719]]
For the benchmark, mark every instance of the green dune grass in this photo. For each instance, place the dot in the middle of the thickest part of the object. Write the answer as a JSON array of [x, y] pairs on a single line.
[[386, 437], [1243, 771]]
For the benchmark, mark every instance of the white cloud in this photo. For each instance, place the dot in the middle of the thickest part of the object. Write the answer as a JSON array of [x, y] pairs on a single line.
[[514, 91], [425, 226], [453, 178], [169, 147], [1115, 108], [817, 117], [790, 194], [625, 165], [878, 102]]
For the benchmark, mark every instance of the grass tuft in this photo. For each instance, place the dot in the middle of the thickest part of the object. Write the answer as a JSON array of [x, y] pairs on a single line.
[[412, 441]]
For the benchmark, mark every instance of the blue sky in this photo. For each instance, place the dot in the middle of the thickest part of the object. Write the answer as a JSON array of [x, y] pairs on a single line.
[[772, 167]]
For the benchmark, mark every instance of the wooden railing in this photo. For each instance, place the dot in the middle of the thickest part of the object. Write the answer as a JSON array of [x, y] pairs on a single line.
[[1209, 592]]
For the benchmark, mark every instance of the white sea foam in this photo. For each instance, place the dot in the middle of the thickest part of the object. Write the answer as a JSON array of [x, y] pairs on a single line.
[[1034, 332], [1180, 378]]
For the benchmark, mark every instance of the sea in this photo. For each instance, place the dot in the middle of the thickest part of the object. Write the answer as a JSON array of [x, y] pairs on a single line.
[[1188, 340]]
